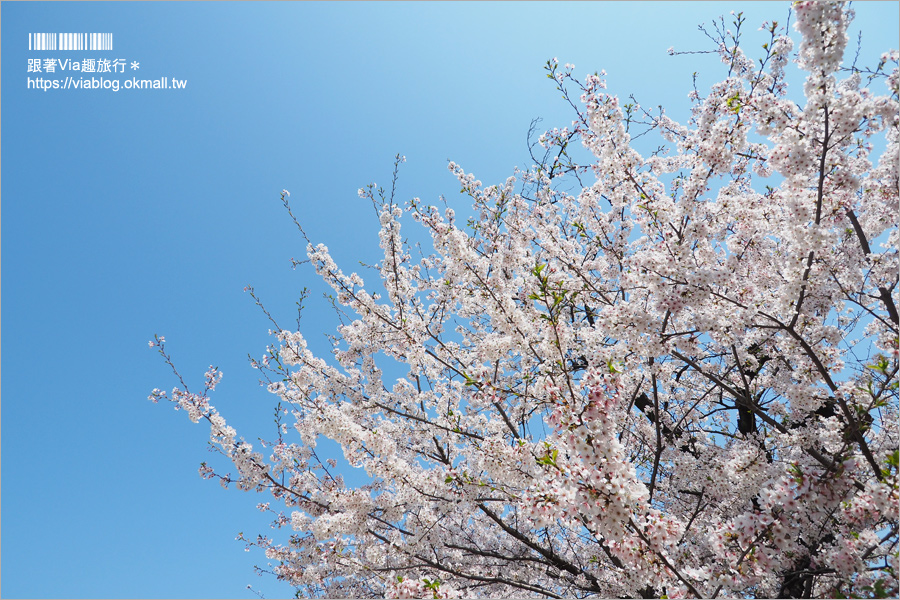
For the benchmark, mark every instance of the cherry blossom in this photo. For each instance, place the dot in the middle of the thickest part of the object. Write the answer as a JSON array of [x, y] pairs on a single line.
[[670, 374]]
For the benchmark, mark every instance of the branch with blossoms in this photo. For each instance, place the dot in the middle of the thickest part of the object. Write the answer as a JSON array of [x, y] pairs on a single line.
[[630, 373]]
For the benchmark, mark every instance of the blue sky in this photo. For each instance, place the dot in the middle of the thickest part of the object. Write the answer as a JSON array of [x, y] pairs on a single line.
[[130, 213]]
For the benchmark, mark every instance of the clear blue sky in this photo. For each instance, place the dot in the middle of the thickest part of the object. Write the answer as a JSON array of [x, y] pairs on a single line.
[[147, 211]]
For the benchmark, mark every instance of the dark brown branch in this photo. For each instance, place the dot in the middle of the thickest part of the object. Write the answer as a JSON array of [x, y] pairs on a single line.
[[885, 295]]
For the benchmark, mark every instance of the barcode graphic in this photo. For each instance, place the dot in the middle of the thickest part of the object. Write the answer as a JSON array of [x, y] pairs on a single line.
[[70, 41]]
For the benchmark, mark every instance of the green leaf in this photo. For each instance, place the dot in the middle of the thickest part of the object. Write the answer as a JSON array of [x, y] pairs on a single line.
[[549, 458]]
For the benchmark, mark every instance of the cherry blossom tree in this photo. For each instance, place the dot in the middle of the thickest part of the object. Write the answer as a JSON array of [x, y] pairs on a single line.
[[665, 374]]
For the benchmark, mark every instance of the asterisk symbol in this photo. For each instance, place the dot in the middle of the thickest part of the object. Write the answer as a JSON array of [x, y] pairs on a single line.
[[135, 65]]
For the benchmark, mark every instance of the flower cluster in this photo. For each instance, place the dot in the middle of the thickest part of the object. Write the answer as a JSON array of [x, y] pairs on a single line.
[[637, 374]]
